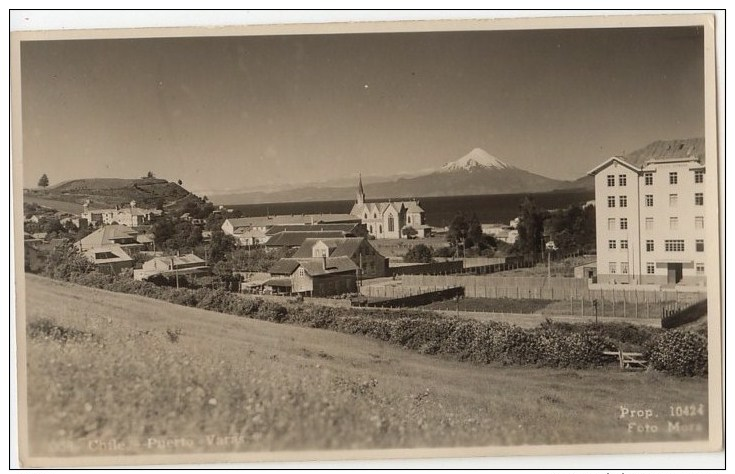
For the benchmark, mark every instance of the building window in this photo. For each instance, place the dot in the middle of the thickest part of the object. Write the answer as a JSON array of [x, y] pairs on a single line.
[[623, 201], [624, 268], [375, 216], [649, 245], [649, 200], [650, 268], [700, 268], [613, 268], [366, 215], [611, 180], [674, 245], [611, 201], [699, 199], [673, 200], [408, 219], [611, 223], [623, 223], [700, 245], [624, 244], [622, 180], [611, 244], [390, 224], [699, 176], [380, 228], [649, 223], [673, 223], [648, 179], [699, 222], [673, 177]]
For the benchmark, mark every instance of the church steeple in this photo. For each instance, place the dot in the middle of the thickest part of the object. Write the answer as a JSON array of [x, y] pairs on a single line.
[[360, 192]]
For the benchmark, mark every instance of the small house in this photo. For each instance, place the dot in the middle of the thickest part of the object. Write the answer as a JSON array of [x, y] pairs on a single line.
[[111, 259], [314, 276]]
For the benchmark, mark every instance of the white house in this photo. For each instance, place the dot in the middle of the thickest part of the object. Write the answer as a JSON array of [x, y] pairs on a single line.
[[650, 215], [131, 216]]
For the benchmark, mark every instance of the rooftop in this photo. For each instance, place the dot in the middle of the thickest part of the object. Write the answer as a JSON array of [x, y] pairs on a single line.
[[663, 150]]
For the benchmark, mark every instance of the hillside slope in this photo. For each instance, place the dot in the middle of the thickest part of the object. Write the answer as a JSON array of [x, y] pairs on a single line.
[[108, 192], [134, 369]]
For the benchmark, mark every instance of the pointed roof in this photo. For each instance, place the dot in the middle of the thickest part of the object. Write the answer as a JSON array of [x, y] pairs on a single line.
[[107, 254], [313, 266], [295, 238], [609, 161], [107, 235], [340, 247], [660, 150], [360, 189]]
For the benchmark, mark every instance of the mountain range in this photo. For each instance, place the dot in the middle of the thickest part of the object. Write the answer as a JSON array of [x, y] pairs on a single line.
[[478, 172]]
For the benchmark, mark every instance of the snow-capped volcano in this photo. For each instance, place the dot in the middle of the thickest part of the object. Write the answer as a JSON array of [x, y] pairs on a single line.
[[476, 159]]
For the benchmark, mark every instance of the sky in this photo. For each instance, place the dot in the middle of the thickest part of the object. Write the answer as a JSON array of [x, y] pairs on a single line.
[[253, 113]]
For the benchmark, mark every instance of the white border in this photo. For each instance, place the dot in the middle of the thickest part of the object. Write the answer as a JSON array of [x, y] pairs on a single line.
[[43, 20]]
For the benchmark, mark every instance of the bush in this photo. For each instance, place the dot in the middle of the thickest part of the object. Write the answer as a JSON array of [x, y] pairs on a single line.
[[552, 344], [679, 352], [444, 252], [419, 254], [270, 311]]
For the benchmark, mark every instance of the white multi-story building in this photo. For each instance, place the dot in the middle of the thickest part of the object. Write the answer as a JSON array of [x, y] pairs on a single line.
[[650, 215]]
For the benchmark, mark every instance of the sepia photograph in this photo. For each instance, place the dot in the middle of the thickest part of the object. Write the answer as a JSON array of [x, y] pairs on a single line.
[[367, 240]]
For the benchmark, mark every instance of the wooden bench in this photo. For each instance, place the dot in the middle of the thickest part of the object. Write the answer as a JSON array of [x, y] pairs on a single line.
[[628, 360]]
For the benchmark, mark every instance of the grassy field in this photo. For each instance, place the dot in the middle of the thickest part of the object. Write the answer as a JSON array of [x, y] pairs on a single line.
[[111, 373]]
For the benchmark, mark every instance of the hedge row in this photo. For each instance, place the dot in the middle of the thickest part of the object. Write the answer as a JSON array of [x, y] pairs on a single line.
[[550, 344]]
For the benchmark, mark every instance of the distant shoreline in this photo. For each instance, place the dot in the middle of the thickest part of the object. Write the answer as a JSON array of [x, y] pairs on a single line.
[[495, 208]]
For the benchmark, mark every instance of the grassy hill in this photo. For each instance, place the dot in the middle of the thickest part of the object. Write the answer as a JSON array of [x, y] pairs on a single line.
[[105, 366], [108, 192]]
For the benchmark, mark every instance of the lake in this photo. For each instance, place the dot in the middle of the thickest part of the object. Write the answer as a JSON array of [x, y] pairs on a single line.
[[490, 208]]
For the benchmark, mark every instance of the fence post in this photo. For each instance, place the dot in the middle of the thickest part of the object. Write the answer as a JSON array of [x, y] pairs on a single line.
[[613, 301], [636, 303], [602, 301], [571, 305], [582, 306]]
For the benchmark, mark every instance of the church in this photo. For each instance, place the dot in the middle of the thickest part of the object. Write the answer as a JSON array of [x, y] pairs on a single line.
[[388, 219]]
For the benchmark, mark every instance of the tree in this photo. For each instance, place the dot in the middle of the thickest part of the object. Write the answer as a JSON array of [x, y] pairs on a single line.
[[572, 229], [409, 232], [457, 233], [530, 229], [43, 181], [180, 182], [150, 175], [163, 229], [220, 245], [419, 254], [474, 232]]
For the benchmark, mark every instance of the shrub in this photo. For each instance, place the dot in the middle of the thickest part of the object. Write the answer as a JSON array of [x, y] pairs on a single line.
[[173, 335], [679, 352], [551, 344], [270, 311], [420, 253], [48, 329]]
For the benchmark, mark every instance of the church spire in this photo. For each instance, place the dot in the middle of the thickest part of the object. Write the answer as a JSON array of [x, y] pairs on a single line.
[[360, 191]]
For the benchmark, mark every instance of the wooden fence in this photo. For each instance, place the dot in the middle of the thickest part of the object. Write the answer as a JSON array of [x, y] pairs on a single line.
[[555, 288]]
